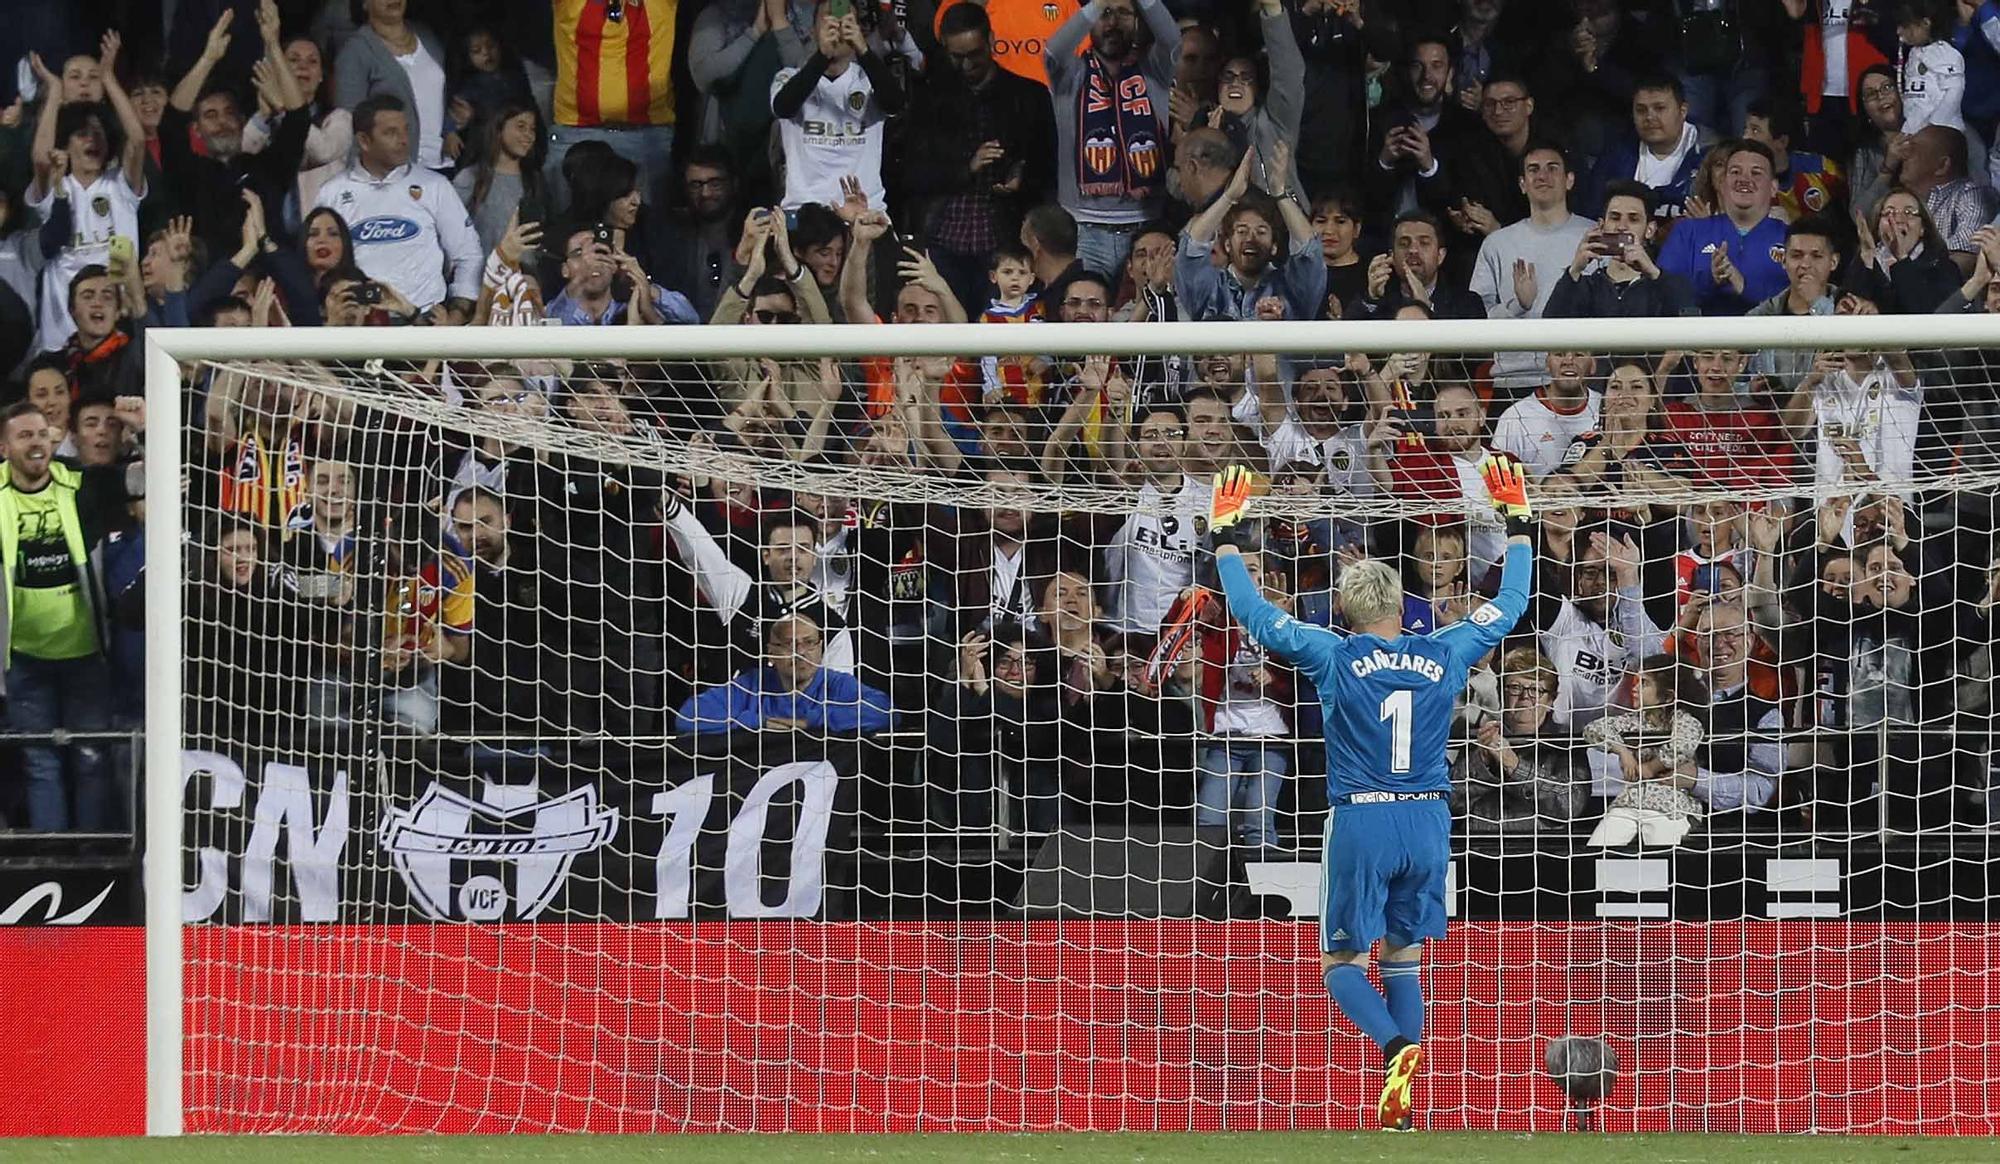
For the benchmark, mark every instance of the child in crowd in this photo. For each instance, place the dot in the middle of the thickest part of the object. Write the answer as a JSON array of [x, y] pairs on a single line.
[[1017, 379], [1648, 745]]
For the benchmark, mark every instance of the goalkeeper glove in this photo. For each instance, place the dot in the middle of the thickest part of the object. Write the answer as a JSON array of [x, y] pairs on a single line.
[[1227, 509], [1507, 485]]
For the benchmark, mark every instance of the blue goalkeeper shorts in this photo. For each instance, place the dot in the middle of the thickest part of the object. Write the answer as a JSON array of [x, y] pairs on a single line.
[[1384, 874]]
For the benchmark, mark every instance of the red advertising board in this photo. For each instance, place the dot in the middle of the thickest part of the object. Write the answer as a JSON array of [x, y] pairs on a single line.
[[806, 1026]]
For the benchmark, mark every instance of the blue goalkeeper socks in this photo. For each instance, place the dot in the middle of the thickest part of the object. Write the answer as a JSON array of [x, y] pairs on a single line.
[[1403, 983], [1357, 999]]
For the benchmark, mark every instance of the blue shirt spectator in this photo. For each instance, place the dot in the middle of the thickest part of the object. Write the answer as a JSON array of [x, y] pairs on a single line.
[[1248, 224], [589, 266], [791, 690], [1735, 259]]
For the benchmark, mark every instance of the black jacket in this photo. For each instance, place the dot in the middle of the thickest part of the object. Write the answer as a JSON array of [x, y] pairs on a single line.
[[949, 120], [210, 190]]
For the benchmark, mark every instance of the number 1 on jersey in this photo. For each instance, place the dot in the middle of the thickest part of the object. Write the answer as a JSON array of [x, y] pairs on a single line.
[[1396, 709]]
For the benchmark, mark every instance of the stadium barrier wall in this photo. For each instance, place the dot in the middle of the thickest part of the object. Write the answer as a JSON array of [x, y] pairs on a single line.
[[1751, 1026]]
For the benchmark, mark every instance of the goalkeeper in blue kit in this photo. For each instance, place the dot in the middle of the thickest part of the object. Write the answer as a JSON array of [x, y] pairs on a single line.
[[1388, 698]]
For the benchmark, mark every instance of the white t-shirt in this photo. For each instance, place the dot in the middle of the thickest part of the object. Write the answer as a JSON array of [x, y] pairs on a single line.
[[409, 227], [1587, 662], [1151, 558], [1833, 40], [836, 133], [1878, 413], [1657, 172], [427, 82], [105, 208], [1536, 432], [1933, 87]]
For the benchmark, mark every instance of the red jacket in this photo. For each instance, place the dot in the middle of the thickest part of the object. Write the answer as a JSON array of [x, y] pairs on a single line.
[[1861, 53]]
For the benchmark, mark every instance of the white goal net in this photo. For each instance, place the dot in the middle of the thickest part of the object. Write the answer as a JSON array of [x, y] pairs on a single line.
[[702, 742]]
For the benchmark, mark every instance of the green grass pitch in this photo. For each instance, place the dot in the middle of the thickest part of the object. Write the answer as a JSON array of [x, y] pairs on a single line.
[[1208, 1148]]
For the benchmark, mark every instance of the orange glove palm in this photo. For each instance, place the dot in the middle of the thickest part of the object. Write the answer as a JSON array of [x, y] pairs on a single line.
[[1231, 503], [1507, 484]]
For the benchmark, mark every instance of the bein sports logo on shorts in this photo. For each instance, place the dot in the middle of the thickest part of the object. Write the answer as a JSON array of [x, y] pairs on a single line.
[[384, 229], [483, 860]]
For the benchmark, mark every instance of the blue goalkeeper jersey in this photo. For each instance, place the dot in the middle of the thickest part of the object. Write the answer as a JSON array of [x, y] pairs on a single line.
[[1388, 702]]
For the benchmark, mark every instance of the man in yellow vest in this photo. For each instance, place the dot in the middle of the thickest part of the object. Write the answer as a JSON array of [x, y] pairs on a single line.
[[57, 676]]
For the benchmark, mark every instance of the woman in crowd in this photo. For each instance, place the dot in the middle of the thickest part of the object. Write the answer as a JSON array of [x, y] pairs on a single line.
[[392, 54], [1903, 267], [331, 136], [1523, 771]]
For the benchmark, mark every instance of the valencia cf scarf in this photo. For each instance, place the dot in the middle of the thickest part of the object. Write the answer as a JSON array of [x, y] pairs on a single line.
[[265, 483], [1118, 148]]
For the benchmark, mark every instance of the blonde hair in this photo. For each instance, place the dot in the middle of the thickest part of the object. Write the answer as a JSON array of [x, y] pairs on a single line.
[[1370, 591]]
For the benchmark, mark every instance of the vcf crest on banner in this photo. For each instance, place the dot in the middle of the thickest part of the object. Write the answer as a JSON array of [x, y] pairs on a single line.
[[501, 857]]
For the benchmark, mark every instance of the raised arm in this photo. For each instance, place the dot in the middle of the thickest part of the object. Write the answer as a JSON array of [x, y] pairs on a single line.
[[132, 163], [1059, 53], [1470, 638], [721, 582], [189, 89]]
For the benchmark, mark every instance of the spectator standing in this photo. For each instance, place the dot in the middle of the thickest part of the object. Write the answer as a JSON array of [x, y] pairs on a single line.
[[1262, 122], [1837, 50], [1729, 441], [831, 112], [407, 223], [1481, 179], [327, 142], [1599, 630], [614, 61], [1872, 171], [51, 516], [98, 170], [1251, 240], [1442, 465], [1979, 40], [1733, 259], [1110, 108], [1522, 773], [390, 55], [693, 249], [1246, 706], [1909, 270], [1412, 273], [207, 183], [1810, 256], [507, 174], [980, 150], [1150, 559], [1933, 68], [1519, 265], [1424, 122], [1613, 273], [1334, 42]]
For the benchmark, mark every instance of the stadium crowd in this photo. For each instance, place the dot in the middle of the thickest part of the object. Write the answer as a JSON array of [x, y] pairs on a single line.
[[392, 163]]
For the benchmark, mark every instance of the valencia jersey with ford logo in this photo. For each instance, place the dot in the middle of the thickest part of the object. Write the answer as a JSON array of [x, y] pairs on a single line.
[[409, 229]]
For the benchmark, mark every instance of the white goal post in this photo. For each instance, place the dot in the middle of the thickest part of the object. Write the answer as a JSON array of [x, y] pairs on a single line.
[[167, 524]]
